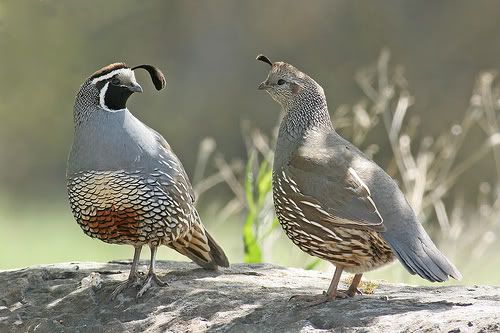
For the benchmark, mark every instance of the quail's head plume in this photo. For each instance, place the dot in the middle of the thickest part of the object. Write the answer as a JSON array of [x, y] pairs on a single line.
[[286, 84], [332, 201], [110, 87], [125, 184]]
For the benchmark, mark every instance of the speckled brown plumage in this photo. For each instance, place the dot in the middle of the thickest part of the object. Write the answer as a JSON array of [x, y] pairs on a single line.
[[309, 227]]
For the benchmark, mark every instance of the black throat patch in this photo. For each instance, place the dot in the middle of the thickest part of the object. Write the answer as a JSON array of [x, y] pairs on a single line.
[[116, 97]]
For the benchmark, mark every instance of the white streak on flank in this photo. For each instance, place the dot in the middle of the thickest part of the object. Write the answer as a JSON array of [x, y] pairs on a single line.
[[328, 231], [321, 241], [308, 203], [369, 198], [358, 179], [124, 71], [102, 102]]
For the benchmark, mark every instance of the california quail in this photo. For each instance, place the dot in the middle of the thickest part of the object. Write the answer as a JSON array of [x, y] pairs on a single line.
[[125, 184], [331, 200]]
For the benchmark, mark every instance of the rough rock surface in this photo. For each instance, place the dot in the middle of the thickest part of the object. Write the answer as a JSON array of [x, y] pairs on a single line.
[[74, 297]]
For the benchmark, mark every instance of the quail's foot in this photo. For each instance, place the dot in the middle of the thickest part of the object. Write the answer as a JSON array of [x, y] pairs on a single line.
[[132, 281], [351, 292], [151, 279], [353, 288], [333, 292]]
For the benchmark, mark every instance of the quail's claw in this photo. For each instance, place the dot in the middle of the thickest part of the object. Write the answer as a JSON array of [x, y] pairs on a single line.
[[130, 282], [159, 282], [151, 279], [342, 294], [353, 292]]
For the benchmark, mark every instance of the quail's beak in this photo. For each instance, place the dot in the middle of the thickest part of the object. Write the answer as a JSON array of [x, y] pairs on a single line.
[[263, 86], [135, 87]]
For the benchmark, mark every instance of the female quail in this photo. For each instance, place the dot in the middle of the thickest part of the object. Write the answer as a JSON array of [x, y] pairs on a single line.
[[125, 184], [332, 201]]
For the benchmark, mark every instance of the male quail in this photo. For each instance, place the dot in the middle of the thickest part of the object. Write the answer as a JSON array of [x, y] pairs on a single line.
[[125, 184], [331, 200]]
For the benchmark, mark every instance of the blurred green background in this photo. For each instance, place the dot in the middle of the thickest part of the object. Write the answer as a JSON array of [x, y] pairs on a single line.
[[449, 51]]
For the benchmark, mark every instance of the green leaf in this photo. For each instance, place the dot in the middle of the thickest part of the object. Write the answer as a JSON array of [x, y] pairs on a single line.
[[249, 183], [276, 222], [313, 264], [271, 228], [264, 181], [253, 252]]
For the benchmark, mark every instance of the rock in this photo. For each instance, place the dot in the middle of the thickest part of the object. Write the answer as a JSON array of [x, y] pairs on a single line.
[[74, 297]]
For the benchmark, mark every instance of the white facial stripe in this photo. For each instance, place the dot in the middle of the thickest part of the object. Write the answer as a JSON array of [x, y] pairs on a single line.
[[102, 96], [125, 71]]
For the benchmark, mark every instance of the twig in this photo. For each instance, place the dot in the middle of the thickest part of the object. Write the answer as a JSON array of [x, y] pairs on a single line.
[[441, 190], [230, 178], [206, 148]]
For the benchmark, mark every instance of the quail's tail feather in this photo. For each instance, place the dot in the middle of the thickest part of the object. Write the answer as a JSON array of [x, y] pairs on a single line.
[[201, 248], [423, 258], [216, 252]]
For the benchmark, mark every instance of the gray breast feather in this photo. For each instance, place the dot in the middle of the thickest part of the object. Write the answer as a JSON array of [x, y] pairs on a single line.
[[118, 141]]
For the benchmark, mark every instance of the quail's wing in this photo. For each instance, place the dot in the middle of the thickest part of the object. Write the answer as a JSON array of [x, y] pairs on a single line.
[[173, 166], [327, 186]]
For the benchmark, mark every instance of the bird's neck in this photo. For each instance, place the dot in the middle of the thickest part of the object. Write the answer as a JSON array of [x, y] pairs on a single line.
[[301, 118], [107, 141], [309, 113]]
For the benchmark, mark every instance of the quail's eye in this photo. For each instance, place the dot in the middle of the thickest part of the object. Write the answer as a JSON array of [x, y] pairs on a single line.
[[115, 81], [281, 82]]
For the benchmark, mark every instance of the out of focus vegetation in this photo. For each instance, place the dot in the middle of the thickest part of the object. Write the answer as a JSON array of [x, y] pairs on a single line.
[[422, 124]]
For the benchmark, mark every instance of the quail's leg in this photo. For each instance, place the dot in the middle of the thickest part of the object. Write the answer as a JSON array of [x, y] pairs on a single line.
[[333, 291], [133, 277], [152, 277], [331, 294], [353, 288]]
